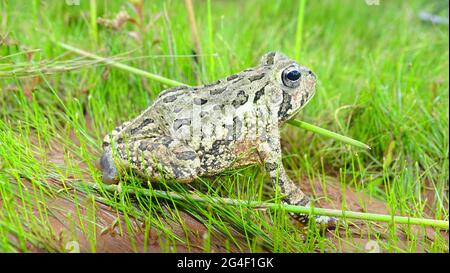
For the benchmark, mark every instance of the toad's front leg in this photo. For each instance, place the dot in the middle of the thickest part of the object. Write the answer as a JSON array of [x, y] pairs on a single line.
[[269, 151]]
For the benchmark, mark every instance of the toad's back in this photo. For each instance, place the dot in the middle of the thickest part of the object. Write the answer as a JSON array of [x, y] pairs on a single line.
[[201, 115]]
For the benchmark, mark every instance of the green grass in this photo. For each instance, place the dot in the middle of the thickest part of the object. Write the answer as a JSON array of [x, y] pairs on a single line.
[[383, 80]]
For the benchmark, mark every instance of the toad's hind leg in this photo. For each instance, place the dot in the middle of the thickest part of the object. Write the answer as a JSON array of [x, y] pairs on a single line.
[[159, 157]]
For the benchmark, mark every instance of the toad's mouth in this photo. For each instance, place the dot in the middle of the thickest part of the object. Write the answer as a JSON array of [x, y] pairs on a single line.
[[294, 113]]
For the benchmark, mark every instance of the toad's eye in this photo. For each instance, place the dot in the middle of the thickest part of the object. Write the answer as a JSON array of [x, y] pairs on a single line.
[[291, 76]]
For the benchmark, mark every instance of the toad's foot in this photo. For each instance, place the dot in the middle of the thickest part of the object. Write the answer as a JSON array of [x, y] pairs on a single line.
[[322, 221], [106, 164]]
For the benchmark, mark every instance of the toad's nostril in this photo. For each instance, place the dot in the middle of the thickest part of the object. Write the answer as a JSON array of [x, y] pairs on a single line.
[[110, 175]]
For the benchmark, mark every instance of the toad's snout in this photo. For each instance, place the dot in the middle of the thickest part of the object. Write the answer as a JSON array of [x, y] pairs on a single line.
[[106, 164]]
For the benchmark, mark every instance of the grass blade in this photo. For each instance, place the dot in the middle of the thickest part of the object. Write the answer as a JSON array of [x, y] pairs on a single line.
[[210, 39], [325, 132], [289, 208], [121, 66], [93, 16], [298, 35]]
